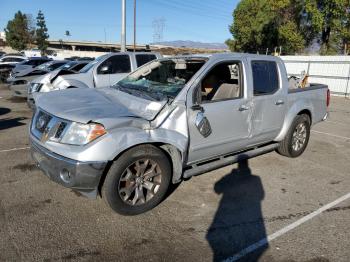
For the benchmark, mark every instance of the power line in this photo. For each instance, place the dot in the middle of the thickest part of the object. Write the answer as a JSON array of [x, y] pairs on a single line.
[[158, 29], [173, 6]]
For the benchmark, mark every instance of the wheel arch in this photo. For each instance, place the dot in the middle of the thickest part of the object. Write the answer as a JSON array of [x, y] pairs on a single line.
[[299, 108], [306, 112], [173, 153]]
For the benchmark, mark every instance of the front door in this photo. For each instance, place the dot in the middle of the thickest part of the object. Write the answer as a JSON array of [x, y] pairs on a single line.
[[112, 70], [219, 120]]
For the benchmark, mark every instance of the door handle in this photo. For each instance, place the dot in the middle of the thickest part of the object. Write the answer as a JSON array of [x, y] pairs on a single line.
[[279, 102], [243, 108]]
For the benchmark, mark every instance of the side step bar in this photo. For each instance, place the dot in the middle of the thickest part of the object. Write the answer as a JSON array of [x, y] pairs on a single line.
[[198, 169]]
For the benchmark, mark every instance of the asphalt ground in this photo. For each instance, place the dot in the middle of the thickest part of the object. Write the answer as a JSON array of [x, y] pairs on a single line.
[[271, 209]]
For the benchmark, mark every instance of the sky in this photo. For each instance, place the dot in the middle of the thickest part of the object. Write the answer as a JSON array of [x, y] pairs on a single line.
[[100, 20]]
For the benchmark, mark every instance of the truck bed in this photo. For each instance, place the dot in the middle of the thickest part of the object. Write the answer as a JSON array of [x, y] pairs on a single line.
[[315, 100], [311, 87]]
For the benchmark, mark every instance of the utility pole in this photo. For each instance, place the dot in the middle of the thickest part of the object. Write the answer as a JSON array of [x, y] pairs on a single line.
[[134, 25], [123, 35], [104, 29]]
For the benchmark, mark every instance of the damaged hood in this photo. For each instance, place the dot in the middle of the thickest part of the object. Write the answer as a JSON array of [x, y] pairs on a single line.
[[103, 105], [28, 71], [51, 76]]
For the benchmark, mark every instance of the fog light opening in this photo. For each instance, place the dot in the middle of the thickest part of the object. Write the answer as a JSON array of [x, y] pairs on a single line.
[[65, 175]]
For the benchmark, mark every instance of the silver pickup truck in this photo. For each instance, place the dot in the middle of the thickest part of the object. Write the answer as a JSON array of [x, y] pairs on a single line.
[[171, 119]]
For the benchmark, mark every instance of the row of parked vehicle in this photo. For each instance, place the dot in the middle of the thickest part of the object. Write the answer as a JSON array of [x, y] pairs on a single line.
[[41, 74]]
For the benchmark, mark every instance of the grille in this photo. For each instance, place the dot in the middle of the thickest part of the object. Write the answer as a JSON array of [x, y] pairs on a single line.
[[60, 129]]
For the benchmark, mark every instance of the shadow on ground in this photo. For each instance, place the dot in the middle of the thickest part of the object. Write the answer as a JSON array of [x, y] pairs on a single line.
[[15, 99], [11, 122], [4, 111], [238, 222]]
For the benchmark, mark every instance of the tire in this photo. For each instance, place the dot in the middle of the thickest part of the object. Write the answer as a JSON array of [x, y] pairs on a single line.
[[294, 143], [142, 173]]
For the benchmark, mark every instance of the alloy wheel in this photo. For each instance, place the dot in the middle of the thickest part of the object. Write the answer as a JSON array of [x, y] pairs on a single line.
[[299, 137], [140, 182]]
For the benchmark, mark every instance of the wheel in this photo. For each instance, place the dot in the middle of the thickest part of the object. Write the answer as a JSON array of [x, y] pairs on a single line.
[[297, 138], [137, 181]]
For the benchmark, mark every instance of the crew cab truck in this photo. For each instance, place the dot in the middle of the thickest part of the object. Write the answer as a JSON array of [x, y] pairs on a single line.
[[104, 71], [171, 119]]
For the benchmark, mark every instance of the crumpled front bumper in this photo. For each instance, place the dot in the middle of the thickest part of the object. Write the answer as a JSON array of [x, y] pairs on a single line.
[[83, 177]]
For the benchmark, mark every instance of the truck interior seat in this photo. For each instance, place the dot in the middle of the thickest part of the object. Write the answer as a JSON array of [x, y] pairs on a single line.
[[227, 90]]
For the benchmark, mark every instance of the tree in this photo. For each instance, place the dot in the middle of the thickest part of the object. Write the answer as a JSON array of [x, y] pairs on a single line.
[[329, 23], [17, 33], [41, 33], [292, 24], [262, 24], [250, 19]]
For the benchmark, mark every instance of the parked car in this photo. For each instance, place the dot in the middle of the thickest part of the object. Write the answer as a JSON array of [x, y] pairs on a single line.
[[32, 52], [29, 63], [19, 82], [171, 119], [44, 83], [14, 54], [11, 59], [105, 70], [7, 63], [2, 54]]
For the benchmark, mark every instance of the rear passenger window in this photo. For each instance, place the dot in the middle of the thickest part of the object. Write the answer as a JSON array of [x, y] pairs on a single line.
[[144, 59], [265, 77]]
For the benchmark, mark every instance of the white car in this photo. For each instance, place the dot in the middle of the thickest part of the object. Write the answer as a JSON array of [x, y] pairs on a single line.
[[105, 70], [12, 59]]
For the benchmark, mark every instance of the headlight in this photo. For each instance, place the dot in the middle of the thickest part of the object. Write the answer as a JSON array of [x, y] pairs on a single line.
[[82, 134], [35, 87]]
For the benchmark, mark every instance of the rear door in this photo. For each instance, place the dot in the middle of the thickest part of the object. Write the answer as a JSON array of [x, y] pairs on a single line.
[[269, 100]]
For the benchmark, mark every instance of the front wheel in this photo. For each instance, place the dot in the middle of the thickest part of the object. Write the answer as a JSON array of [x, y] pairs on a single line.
[[297, 138], [137, 181]]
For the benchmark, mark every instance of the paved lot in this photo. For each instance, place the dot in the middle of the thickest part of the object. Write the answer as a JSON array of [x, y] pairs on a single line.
[[216, 215]]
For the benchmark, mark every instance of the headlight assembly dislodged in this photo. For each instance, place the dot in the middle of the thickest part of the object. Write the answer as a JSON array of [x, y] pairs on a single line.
[[82, 134]]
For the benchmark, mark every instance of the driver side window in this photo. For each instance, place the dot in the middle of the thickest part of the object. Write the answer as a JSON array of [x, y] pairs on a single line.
[[222, 82], [115, 65]]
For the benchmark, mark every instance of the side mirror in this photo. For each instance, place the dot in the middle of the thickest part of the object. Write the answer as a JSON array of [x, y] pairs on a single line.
[[104, 70]]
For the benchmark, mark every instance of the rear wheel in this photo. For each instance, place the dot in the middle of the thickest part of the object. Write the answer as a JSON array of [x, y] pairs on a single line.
[[137, 181], [297, 138]]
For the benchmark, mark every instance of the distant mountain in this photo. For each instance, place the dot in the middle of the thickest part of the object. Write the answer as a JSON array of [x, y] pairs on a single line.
[[192, 44]]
